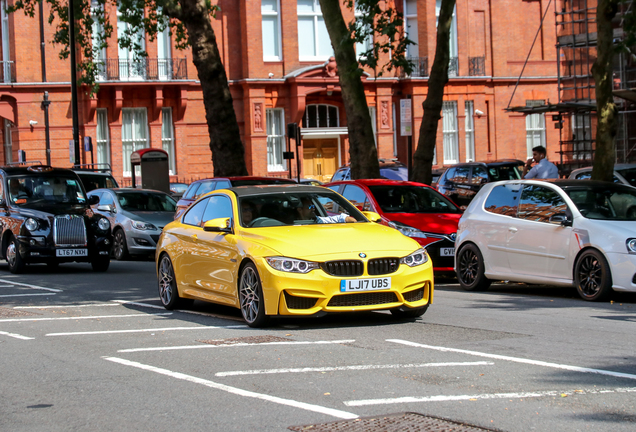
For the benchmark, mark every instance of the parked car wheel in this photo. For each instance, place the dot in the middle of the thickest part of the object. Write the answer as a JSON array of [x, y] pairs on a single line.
[[120, 249], [168, 293], [14, 259], [101, 264], [592, 276], [251, 297], [470, 269], [410, 313]]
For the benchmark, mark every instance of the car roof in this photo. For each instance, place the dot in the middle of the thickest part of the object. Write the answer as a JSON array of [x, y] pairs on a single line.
[[34, 169], [127, 190], [497, 162], [384, 163], [232, 178], [241, 191], [376, 182], [616, 167]]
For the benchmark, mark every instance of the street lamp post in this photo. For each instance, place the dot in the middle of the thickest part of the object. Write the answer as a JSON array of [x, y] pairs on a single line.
[[71, 23]]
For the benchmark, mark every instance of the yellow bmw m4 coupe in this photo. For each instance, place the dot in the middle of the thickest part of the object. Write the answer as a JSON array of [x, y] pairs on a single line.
[[290, 250]]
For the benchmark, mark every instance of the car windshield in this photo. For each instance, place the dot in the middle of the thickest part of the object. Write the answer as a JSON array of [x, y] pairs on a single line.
[[629, 174], [38, 191], [411, 199], [297, 208], [504, 172], [146, 201], [611, 202], [97, 181]]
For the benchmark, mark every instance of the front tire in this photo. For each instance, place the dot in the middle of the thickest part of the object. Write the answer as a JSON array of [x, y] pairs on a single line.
[[409, 313], [167, 283], [592, 276], [470, 269], [14, 259], [120, 248], [251, 297]]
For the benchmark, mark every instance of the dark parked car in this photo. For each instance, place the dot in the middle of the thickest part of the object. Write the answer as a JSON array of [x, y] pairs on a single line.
[[389, 169], [462, 181], [204, 186], [46, 218], [178, 189], [96, 176]]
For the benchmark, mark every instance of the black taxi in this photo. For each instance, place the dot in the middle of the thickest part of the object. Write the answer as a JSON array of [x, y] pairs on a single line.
[[45, 217]]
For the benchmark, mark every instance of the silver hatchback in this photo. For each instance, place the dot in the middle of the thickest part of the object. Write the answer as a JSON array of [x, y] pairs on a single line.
[[137, 217]]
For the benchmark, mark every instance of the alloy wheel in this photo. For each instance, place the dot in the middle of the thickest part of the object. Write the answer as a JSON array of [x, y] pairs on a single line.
[[11, 254], [248, 293], [166, 281], [590, 275], [468, 267]]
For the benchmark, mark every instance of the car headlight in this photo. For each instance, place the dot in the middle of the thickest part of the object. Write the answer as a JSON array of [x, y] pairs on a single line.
[[142, 225], [631, 245], [31, 224], [103, 224], [407, 230], [418, 257], [291, 265]]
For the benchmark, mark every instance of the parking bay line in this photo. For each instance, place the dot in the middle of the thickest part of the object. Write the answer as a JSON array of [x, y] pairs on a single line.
[[15, 335], [79, 318], [27, 295], [520, 395], [351, 368], [131, 350], [143, 330], [66, 306], [235, 390], [518, 359], [31, 286]]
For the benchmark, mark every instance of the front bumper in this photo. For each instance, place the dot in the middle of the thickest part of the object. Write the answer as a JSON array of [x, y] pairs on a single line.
[[441, 263], [317, 292], [142, 242], [623, 268], [35, 249]]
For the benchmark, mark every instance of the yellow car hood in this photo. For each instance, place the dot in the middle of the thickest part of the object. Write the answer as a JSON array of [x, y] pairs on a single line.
[[333, 241]]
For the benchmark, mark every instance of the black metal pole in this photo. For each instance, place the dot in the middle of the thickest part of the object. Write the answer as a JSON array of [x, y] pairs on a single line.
[[297, 156], [71, 23], [45, 105], [42, 44]]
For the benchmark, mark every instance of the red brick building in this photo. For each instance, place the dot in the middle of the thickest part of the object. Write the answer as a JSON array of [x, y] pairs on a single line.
[[276, 56]]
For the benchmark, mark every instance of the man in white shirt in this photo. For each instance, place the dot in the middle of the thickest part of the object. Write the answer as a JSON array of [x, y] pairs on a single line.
[[307, 212], [544, 169]]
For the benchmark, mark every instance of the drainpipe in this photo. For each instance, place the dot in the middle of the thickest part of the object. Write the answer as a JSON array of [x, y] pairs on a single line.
[[45, 100]]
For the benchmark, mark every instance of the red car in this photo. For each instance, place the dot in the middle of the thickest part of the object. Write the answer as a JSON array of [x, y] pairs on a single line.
[[415, 209], [200, 187]]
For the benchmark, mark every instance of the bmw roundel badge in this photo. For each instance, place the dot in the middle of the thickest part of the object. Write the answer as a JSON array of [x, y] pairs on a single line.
[[362, 255]]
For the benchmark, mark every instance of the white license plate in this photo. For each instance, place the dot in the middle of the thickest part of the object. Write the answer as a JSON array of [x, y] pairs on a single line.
[[349, 285], [71, 252], [447, 251]]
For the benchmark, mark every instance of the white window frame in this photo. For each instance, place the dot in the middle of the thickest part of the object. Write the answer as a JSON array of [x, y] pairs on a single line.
[[164, 52], [167, 142], [136, 143], [102, 142], [318, 115], [469, 111], [99, 55], [410, 28], [8, 142], [316, 14], [6, 42], [535, 128], [582, 130], [364, 46], [278, 43], [453, 51], [275, 118], [128, 56], [450, 132]]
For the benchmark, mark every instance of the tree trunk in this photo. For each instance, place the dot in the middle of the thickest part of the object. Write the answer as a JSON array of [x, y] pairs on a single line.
[[606, 112], [423, 157], [362, 151], [228, 151]]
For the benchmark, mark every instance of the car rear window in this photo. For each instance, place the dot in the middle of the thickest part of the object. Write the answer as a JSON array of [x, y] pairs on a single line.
[[395, 173], [97, 181], [504, 172], [503, 200]]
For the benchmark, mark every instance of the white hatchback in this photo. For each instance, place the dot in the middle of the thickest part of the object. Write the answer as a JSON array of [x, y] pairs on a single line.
[[560, 232]]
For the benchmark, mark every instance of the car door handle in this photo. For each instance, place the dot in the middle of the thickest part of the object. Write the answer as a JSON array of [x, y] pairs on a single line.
[[512, 229]]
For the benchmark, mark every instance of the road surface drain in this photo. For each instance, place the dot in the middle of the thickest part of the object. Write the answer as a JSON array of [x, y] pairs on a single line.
[[245, 340], [401, 422], [12, 313]]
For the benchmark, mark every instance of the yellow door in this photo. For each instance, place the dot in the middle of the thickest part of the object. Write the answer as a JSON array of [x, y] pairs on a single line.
[[320, 159]]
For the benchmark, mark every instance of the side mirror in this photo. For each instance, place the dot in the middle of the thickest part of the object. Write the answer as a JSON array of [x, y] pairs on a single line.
[[560, 219], [372, 216], [93, 199], [223, 225], [107, 208]]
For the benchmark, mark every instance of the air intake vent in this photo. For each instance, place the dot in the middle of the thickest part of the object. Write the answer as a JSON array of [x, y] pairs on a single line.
[[381, 266], [343, 268], [295, 302], [363, 299], [415, 295], [69, 230]]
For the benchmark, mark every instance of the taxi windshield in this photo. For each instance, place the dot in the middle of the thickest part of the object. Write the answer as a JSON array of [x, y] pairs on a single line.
[[35, 191]]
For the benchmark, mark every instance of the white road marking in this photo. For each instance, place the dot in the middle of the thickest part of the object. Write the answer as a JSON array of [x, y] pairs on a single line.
[[348, 368], [206, 314], [27, 295], [15, 335], [31, 286], [142, 330], [521, 395], [66, 306], [80, 317], [236, 391], [234, 345], [518, 360], [138, 304]]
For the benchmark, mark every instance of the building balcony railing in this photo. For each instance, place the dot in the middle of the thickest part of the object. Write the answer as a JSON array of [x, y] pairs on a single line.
[[476, 66], [142, 69], [7, 72], [420, 66]]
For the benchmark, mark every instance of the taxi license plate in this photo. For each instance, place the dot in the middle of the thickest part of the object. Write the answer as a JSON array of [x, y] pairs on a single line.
[[447, 251], [354, 285], [71, 252]]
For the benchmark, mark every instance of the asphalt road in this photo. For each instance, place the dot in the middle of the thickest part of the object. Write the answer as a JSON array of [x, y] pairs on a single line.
[[88, 351]]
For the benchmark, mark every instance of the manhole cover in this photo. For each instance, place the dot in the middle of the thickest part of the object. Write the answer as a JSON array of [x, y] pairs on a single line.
[[246, 340], [12, 313], [402, 422]]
